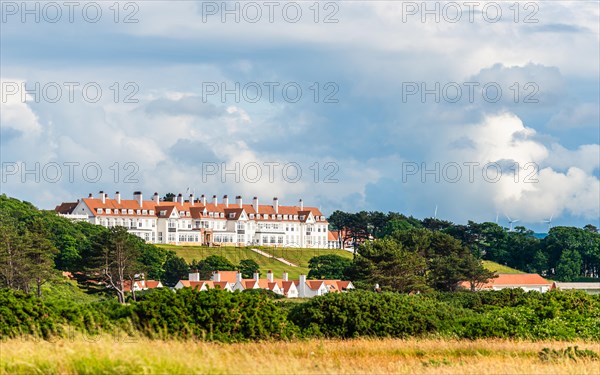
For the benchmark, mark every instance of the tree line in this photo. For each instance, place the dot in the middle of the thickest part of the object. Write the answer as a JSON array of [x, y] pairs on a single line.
[[565, 254]]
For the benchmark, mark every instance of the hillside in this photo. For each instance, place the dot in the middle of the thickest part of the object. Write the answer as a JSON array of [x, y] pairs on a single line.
[[235, 255], [301, 257], [498, 268]]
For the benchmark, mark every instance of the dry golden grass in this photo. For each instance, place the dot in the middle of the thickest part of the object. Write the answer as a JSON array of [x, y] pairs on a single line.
[[413, 356]]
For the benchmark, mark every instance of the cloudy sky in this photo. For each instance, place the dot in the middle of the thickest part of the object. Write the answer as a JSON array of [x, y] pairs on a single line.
[[480, 110]]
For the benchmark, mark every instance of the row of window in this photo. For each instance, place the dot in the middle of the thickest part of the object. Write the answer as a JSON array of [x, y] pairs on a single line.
[[128, 223], [124, 211]]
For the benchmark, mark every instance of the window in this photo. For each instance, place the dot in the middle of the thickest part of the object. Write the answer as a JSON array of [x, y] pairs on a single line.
[[138, 212], [108, 210], [251, 216], [130, 212], [222, 214], [99, 210], [144, 212], [151, 212], [232, 215]]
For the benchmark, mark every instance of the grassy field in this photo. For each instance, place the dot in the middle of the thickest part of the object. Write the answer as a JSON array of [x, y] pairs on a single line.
[[234, 255], [301, 257], [495, 267], [141, 356]]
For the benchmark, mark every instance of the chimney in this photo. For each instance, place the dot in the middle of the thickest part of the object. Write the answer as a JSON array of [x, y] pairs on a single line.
[[156, 198], [179, 198], [194, 276], [102, 196], [225, 201], [192, 199], [138, 197], [203, 200], [118, 197], [91, 196], [238, 277], [302, 286], [285, 276], [216, 276], [256, 276], [270, 276], [255, 204], [301, 205], [276, 205], [238, 201], [215, 200]]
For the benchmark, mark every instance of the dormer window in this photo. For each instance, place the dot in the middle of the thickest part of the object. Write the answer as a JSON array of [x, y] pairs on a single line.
[[108, 210], [285, 217], [123, 211], [278, 217], [301, 217], [151, 212], [232, 215], [295, 217], [273, 216], [210, 214], [222, 214], [163, 212], [144, 212], [130, 212], [251, 216], [139, 212], [99, 210]]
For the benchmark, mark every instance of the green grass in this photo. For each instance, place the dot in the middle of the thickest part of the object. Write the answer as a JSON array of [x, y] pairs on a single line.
[[498, 268], [301, 257], [235, 255]]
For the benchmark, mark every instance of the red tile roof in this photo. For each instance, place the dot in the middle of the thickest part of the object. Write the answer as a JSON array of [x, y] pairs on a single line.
[[197, 209], [512, 279]]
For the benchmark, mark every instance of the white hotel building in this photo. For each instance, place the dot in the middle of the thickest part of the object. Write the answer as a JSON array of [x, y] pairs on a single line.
[[198, 222]]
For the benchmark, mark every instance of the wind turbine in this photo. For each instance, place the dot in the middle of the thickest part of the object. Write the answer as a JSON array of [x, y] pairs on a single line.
[[511, 221], [549, 222]]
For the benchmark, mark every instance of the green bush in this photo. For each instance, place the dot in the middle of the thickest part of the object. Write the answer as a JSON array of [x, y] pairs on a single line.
[[255, 315], [346, 315], [210, 315]]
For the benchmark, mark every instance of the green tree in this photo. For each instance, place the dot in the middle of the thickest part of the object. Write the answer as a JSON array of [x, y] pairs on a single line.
[[116, 258], [387, 263], [247, 267], [176, 269], [210, 264], [40, 255], [68, 258], [169, 197], [569, 265], [329, 266]]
